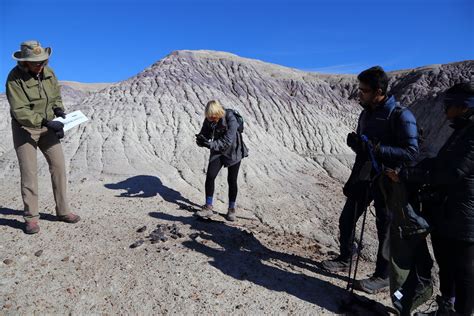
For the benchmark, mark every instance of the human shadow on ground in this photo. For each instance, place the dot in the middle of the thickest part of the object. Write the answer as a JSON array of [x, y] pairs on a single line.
[[14, 223], [145, 186], [239, 254]]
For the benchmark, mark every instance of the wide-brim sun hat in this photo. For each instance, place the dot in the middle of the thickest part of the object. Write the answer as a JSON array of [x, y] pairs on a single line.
[[32, 51]]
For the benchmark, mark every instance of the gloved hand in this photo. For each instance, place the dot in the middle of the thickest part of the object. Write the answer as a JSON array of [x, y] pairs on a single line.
[[58, 112], [355, 143], [55, 126], [202, 141], [60, 133]]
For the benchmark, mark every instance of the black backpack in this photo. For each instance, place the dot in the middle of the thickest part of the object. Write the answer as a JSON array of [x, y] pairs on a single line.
[[239, 118]]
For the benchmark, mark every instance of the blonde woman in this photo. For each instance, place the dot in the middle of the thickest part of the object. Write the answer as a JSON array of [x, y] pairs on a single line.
[[221, 133]]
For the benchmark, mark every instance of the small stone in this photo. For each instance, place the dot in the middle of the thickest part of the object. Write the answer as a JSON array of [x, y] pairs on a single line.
[[141, 229], [136, 244], [39, 253], [8, 261], [7, 305], [65, 259], [193, 235], [70, 290]]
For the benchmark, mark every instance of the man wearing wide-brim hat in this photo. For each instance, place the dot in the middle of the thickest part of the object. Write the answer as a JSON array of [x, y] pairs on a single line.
[[35, 100]]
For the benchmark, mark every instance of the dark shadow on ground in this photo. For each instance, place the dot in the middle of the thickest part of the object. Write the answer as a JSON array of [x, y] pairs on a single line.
[[241, 256], [14, 223], [144, 186]]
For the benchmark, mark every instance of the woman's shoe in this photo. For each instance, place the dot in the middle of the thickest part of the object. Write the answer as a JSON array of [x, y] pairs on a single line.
[[206, 211], [231, 215]]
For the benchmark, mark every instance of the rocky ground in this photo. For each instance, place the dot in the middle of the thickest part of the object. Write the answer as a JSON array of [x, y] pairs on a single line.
[[210, 267]]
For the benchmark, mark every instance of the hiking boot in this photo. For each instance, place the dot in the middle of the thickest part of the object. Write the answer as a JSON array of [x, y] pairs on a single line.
[[339, 264], [32, 227], [445, 308], [371, 285], [231, 214], [70, 218], [206, 211]]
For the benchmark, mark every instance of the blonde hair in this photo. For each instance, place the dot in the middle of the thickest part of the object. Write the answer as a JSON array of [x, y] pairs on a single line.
[[214, 109]]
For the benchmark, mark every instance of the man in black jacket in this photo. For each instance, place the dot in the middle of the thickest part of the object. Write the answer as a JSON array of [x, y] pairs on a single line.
[[393, 145], [450, 177]]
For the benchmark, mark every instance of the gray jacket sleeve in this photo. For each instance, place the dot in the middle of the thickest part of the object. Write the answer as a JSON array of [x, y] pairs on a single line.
[[229, 137], [205, 129]]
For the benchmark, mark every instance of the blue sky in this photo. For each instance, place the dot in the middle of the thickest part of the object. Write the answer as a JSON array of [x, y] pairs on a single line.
[[108, 41]]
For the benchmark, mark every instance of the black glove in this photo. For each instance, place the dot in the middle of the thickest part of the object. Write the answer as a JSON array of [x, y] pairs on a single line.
[[202, 141], [58, 112], [355, 142], [55, 126], [60, 133], [198, 140]]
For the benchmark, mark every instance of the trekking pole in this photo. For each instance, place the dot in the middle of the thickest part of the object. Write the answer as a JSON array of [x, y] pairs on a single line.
[[352, 278], [362, 229], [349, 283], [370, 150], [375, 166]]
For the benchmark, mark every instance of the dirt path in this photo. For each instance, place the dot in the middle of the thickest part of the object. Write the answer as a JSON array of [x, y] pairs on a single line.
[[214, 268]]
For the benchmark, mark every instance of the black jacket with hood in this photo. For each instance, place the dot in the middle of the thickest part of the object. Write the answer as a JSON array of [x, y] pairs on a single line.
[[450, 176]]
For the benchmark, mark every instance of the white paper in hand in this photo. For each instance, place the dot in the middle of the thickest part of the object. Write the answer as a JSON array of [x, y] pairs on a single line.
[[72, 119]]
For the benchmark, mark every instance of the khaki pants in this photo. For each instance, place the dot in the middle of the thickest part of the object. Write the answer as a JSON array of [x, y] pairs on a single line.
[[26, 140]]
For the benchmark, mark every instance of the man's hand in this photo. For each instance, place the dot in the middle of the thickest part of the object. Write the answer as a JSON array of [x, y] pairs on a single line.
[[58, 112]]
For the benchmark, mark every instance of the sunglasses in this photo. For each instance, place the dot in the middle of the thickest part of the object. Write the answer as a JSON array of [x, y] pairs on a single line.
[[365, 90], [37, 63]]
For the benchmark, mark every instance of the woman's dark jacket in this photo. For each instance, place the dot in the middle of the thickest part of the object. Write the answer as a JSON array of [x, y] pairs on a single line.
[[226, 141], [450, 176]]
